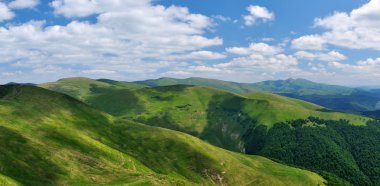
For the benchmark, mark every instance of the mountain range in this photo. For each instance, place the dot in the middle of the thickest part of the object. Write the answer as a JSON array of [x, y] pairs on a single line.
[[81, 131], [335, 97]]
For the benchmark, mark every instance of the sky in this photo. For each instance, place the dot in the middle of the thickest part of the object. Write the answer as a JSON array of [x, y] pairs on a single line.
[[334, 41]]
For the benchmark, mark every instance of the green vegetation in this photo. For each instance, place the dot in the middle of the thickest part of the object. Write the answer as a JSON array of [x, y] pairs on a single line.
[[344, 148], [330, 96], [81, 88], [374, 114], [233, 87], [337, 150], [48, 138], [219, 117]]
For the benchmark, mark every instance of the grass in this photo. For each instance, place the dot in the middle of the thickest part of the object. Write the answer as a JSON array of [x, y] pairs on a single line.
[[331, 96], [80, 87], [218, 117], [275, 108], [48, 138], [6, 181]]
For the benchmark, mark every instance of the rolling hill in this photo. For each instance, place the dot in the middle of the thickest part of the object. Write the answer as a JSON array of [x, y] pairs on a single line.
[[233, 87], [256, 123], [49, 138], [218, 117], [330, 96]]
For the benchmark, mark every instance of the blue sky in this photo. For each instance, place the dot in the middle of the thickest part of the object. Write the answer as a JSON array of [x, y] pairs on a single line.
[[336, 41]]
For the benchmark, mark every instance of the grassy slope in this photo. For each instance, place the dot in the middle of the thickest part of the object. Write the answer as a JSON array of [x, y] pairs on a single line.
[[299, 86], [4, 180], [218, 117], [49, 138], [279, 109], [303, 87], [331, 96], [212, 83], [81, 88]]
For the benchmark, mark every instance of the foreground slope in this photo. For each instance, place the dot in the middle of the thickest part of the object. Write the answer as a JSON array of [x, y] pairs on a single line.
[[51, 139]]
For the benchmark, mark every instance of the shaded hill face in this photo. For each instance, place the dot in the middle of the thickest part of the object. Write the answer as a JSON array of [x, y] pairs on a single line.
[[373, 114], [330, 96], [339, 151], [218, 117], [48, 138]]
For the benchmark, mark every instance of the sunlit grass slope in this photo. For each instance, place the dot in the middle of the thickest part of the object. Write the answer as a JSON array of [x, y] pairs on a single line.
[[275, 108], [218, 117], [48, 138], [330, 96], [80, 87]]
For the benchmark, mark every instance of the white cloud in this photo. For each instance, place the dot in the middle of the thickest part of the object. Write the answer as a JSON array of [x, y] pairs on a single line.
[[258, 13], [257, 63], [359, 29], [5, 12], [255, 48], [204, 69], [329, 57], [222, 18], [267, 39], [23, 4], [275, 63], [309, 42], [99, 71], [129, 39], [201, 55], [368, 66]]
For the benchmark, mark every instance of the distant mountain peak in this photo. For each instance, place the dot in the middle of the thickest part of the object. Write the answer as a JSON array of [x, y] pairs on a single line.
[[299, 80]]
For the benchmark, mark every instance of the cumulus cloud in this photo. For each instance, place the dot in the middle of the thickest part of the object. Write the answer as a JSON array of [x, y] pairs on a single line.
[[368, 66], [275, 63], [128, 37], [309, 42], [329, 57], [248, 68], [5, 12], [23, 4], [201, 55], [359, 29], [255, 48], [258, 13]]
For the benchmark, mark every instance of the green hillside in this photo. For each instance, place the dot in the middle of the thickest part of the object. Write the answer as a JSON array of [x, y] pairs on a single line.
[[302, 87], [330, 96], [51, 139], [299, 86], [258, 123], [218, 117], [80, 87], [212, 83], [337, 150]]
